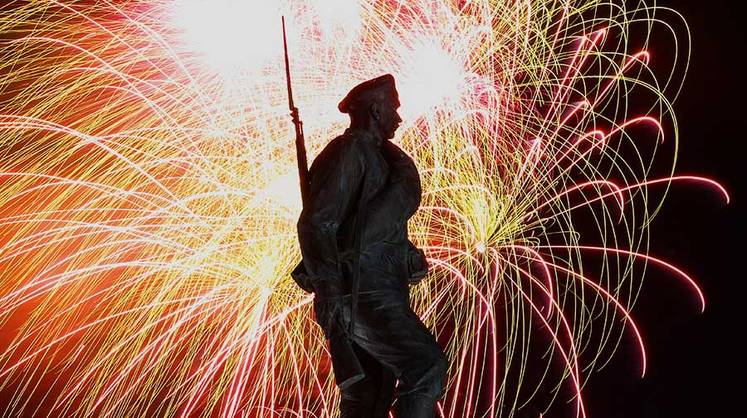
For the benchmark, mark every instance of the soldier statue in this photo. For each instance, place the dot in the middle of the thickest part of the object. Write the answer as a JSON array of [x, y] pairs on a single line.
[[359, 262]]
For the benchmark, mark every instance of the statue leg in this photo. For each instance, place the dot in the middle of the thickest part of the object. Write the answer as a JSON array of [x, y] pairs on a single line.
[[372, 396], [396, 337]]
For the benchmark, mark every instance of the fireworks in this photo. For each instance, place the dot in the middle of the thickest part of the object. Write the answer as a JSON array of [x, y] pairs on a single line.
[[149, 195]]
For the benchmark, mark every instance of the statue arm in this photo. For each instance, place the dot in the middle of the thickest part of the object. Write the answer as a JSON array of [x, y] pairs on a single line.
[[335, 185]]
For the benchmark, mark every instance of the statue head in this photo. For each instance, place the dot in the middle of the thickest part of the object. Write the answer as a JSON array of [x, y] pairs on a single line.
[[373, 105]]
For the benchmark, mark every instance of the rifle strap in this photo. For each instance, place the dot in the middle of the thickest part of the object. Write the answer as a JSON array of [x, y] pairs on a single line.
[[359, 222]]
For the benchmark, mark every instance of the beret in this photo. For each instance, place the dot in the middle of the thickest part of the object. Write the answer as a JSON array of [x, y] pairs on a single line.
[[364, 90]]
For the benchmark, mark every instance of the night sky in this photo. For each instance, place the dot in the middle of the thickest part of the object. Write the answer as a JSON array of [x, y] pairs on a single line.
[[695, 361]]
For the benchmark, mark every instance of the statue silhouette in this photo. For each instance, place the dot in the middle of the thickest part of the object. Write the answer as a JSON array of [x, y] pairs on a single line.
[[362, 189]]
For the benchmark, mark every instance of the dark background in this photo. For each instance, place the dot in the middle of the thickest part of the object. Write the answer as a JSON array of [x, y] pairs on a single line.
[[695, 360]]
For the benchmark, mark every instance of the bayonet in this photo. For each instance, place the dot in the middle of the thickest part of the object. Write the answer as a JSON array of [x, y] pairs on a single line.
[[303, 169]]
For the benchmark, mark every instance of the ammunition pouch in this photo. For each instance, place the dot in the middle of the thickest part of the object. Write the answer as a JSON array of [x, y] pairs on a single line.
[[302, 279], [417, 264]]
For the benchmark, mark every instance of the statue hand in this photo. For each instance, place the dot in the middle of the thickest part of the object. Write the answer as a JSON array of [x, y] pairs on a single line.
[[329, 316], [417, 265]]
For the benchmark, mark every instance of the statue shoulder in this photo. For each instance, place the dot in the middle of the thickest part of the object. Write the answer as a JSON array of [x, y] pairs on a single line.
[[340, 147]]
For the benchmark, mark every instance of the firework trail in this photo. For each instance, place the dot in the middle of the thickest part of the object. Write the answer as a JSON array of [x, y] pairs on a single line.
[[149, 195]]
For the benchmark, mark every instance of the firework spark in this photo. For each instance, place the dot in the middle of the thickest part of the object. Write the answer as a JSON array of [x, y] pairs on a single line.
[[149, 196]]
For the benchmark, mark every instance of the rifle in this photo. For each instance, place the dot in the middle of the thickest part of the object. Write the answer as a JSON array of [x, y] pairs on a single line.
[[303, 168], [345, 363]]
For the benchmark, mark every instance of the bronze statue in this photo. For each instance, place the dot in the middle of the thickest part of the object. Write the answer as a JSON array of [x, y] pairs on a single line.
[[359, 262]]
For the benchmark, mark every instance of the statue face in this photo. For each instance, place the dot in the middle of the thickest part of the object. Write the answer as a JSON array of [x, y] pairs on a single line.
[[388, 119]]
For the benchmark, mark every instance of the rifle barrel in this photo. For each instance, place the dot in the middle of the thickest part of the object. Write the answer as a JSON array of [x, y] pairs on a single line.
[[287, 68], [303, 169]]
